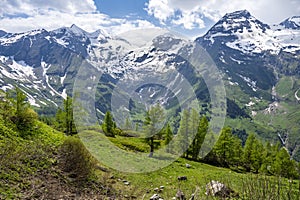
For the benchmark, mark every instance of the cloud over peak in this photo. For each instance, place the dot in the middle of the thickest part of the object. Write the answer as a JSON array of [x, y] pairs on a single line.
[[192, 13]]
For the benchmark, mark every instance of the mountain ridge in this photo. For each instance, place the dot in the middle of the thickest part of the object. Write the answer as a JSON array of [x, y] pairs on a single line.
[[254, 60]]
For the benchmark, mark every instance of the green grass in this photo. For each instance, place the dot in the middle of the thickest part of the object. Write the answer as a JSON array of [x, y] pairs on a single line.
[[130, 143], [142, 185], [284, 86], [22, 158]]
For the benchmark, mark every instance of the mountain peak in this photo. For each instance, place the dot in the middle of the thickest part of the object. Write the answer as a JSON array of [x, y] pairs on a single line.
[[238, 22], [238, 14], [291, 23], [77, 30]]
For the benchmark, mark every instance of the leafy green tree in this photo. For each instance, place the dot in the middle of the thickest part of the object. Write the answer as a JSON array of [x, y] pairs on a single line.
[[168, 138], [183, 133], [199, 137], [108, 125], [153, 119], [284, 166]]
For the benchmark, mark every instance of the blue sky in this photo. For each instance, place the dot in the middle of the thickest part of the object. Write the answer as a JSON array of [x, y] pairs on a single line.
[[188, 17], [121, 8]]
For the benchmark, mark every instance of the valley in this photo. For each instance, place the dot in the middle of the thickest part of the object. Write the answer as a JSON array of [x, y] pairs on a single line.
[[128, 108]]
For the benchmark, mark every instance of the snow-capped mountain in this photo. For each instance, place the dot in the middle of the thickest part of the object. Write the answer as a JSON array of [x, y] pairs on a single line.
[[243, 32], [259, 64], [249, 53], [291, 23]]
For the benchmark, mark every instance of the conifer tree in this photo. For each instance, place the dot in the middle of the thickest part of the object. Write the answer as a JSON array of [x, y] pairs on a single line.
[[237, 148], [253, 154], [199, 138], [183, 133], [108, 125], [283, 165], [23, 115], [269, 156], [153, 119], [168, 138], [64, 117], [227, 148]]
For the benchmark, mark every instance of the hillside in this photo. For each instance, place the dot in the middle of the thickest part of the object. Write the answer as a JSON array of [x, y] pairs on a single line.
[[235, 91], [39, 162]]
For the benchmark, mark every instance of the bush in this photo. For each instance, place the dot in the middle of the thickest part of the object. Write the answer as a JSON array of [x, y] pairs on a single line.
[[77, 159]]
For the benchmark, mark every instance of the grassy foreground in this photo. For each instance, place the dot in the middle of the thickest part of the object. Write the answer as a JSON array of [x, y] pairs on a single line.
[[144, 185], [49, 165]]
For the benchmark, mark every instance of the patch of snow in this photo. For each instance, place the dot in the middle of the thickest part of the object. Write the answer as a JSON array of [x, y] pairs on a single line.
[[64, 94], [7, 87], [18, 70], [62, 42], [237, 61], [296, 96], [250, 83], [251, 103], [62, 79], [33, 103], [222, 59]]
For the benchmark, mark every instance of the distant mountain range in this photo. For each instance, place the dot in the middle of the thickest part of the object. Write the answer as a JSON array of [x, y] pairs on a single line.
[[260, 66]]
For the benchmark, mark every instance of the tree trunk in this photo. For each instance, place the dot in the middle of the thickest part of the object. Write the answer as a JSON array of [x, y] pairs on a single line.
[[151, 147]]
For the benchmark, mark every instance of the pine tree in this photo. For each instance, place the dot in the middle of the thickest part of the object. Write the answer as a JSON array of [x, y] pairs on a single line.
[[108, 125], [127, 124], [23, 116], [64, 118], [193, 129], [223, 148], [283, 165], [269, 156], [183, 133], [168, 138], [253, 154], [68, 107], [199, 138], [256, 156], [237, 151], [153, 119]]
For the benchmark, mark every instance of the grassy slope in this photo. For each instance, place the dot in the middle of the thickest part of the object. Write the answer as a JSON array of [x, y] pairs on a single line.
[[142, 185], [30, 169], [22, 159]]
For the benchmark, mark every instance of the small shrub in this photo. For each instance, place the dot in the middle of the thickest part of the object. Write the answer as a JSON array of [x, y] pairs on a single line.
[[77, 159]]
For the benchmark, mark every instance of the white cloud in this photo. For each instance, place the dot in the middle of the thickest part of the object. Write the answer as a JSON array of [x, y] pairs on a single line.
[[33, 7], [160, 9], [54, 14], [190, 20], [268, 11]]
